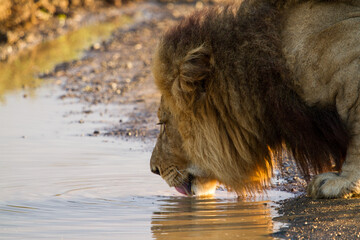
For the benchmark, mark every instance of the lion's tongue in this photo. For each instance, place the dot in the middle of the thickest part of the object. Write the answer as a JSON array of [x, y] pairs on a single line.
[[184, 189]]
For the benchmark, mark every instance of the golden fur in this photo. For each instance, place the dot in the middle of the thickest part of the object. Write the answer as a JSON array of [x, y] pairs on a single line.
[[241, 84]]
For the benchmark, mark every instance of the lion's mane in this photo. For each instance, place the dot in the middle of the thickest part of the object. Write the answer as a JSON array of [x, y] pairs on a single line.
[[222, 71]]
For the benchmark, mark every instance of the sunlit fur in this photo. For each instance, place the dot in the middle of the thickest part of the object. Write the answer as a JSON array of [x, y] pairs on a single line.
[[231, 100]]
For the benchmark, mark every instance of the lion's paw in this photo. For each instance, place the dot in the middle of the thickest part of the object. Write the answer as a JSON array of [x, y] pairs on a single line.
[[332, 185]]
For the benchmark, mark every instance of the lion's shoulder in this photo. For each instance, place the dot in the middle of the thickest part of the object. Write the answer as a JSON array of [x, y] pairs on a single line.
[[318, 39]]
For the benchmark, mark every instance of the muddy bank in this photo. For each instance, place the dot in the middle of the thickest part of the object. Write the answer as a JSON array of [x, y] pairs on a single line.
[[24, 23], [118, 72], [320, 219]]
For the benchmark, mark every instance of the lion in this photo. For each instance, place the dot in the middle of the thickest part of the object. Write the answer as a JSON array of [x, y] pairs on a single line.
[[241, 84]]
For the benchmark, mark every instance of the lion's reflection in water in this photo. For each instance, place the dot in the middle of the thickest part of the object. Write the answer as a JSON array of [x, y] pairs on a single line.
[[191, 218]]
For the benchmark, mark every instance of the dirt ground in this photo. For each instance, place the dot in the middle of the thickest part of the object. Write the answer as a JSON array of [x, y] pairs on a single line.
[[319, 219], [118, 71]]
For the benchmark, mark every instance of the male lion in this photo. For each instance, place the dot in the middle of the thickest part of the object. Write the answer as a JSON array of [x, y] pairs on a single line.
[[240, 84]]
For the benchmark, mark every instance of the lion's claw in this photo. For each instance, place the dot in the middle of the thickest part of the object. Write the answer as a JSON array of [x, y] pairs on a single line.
[[331, 185]]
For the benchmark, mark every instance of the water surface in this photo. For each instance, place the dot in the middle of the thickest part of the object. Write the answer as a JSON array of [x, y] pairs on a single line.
[[58, 183]]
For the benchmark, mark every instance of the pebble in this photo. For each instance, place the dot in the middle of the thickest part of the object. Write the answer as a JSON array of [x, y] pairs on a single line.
[[138, 46], [113, 85], [96, 46], [129, 65]]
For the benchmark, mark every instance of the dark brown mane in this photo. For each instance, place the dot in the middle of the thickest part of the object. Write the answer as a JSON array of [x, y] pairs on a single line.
[[250, 39], [315, 135]]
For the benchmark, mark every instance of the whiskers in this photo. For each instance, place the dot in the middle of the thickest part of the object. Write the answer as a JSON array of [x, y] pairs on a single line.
[[179, 172]]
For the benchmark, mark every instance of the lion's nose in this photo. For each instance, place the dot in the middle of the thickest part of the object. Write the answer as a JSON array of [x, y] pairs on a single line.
[[155, 170]]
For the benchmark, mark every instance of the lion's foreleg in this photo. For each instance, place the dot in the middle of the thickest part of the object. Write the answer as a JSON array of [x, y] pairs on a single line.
[[338, 185], [347, 182], [346, 90]]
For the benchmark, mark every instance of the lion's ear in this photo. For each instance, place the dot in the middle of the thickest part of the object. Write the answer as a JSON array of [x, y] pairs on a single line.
[[194, 75], [195, 70]]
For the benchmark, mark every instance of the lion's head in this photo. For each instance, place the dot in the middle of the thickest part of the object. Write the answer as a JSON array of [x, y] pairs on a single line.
[[204, 140], [173, 164]]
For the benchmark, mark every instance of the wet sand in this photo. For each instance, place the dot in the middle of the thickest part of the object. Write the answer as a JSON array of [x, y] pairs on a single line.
[[319, 219], [117, 72]]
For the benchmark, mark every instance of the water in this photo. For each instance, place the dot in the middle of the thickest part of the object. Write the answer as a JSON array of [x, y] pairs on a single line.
[[58, 183]]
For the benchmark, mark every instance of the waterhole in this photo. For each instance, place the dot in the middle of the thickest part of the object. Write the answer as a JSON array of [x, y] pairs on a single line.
[[58, 183]]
